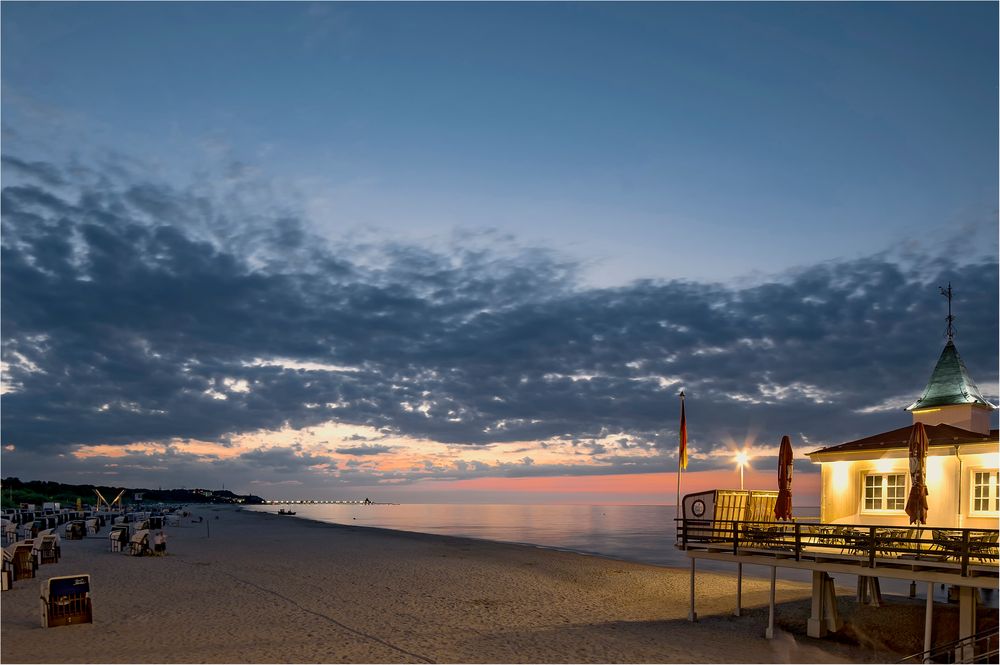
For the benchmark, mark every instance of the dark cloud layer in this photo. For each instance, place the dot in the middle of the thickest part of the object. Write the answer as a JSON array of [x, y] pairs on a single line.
[[135, 312]]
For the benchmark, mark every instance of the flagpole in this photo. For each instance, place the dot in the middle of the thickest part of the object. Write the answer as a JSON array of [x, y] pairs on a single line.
[[680, 453]]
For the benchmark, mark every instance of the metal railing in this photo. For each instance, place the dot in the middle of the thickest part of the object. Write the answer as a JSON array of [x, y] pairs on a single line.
[[964, 549], [983, 647]]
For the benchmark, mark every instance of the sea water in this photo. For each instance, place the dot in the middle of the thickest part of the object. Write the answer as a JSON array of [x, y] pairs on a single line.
[[644, 534]]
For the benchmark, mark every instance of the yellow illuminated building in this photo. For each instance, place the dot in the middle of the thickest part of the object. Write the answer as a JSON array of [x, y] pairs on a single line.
[[867, 481]]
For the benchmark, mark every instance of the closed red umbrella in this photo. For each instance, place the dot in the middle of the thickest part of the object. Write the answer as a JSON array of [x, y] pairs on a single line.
[[916, 502], [783, 506]]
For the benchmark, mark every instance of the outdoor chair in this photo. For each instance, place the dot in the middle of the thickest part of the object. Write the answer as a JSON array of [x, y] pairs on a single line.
[[945, 544], [139, 544], [851, 541], [118, 537], [7, 571], [75, 530], [9, 531], [752, 536], [983, 547], [66, 600], [47, 548], [23, 561]]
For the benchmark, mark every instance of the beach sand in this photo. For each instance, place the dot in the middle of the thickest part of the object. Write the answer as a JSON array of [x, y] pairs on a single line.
[[246, 587]]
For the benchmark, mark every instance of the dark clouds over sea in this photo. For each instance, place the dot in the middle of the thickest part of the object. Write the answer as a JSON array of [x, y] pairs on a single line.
[[130, 308]]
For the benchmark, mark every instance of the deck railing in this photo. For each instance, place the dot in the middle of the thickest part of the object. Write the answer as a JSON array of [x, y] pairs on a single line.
[[968, 550], [983, 647]]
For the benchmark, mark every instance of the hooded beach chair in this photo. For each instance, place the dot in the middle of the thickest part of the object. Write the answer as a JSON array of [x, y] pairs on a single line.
[[22, 560], [66, 600], [138, 545], [9, 531], [75, 530], [118, 537], [46, 549]]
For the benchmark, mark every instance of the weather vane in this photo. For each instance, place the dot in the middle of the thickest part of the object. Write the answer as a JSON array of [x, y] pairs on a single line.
[[947, 294]]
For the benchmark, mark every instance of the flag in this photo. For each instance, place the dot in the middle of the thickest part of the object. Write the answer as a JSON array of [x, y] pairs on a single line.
[[682, 459]]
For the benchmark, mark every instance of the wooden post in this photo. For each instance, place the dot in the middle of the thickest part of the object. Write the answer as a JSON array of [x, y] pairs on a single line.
[[769, 633], [739, 589], [965, 553], [928, 615], [692, 615]]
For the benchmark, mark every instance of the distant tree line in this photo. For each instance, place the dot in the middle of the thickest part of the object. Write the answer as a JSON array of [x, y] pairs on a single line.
[[14, 492]]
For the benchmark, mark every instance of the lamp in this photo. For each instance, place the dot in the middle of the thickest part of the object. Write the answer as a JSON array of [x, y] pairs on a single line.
[[742, 458]]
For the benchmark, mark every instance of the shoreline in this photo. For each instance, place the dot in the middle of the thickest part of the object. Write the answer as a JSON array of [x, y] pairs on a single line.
[[262, 588]]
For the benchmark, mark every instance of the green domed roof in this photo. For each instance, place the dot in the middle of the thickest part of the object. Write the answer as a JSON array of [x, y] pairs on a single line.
[[950, 384]]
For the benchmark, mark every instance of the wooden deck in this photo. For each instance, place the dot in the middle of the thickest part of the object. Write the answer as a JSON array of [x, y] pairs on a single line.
[[965, 557]]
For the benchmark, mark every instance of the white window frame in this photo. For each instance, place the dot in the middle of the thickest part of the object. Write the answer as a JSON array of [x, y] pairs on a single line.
[[972, 493], [885, 492]]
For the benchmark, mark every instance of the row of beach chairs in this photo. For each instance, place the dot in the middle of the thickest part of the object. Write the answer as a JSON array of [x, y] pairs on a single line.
[[142, 542], [22, 559]]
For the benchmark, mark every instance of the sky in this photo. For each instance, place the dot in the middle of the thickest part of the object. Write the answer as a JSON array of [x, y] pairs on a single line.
[[473, 252]]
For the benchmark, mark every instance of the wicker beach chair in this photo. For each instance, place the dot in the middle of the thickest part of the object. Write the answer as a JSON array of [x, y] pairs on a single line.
[[118, 537], [7, 571], [47, 549], [9, 531], [66, 600], [138, 545], [23, 561]]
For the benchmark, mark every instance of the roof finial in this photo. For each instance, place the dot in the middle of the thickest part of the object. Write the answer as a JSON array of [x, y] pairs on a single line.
[[947, 294]]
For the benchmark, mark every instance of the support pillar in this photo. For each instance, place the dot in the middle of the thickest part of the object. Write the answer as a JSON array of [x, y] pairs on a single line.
[[739, 589], [928, 621], [692, 615], [816, 627], [966, 622], [830, 613], [769, 633]]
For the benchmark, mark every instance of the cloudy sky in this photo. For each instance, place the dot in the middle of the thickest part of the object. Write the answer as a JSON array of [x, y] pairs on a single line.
[[462, 252]]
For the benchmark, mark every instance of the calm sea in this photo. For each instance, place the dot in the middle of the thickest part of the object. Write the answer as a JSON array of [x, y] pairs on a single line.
[[644, 534]]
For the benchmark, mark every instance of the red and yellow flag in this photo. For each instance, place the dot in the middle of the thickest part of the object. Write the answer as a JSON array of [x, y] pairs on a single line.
[[683, 451]]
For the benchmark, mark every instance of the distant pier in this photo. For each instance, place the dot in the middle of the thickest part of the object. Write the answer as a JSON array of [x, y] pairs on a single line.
[[346, 502]]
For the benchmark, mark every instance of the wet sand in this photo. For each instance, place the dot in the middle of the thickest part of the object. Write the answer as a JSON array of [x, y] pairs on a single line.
[[246, 587]]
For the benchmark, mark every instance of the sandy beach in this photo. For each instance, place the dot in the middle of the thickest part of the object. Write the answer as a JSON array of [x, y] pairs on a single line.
[[252, 587]]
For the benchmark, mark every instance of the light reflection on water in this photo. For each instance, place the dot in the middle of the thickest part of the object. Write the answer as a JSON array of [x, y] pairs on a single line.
[[635, 533], [644, 534]]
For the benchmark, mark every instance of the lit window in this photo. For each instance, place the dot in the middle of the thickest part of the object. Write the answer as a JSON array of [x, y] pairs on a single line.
[[886, 491], [985, 497]]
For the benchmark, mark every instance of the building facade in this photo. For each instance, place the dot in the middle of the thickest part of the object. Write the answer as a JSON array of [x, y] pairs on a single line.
[[867, 481]]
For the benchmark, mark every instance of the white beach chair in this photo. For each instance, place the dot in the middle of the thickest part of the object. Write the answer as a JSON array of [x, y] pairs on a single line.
[[138, 545], [9, 531], [118, 537]]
